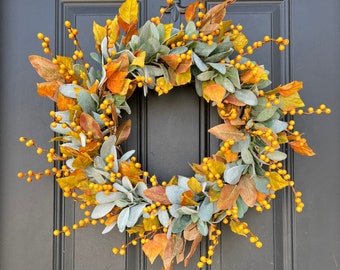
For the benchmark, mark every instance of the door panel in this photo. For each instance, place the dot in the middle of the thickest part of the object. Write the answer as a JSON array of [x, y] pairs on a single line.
[[307, 241]]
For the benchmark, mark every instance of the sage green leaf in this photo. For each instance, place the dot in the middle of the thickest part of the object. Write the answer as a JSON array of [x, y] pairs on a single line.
[[261, 183], [242, 207], [161, 32], [277, 156], [163, 217], [190, 29], [239, 145], [123, 219], [127, 183], [266, 114], [68, 90], [202, 227], [179, 224], [86, 102], [109, 228], [135, 212], [203, 49], [96, 57], [127, 155], [108, 147], [221, 68], [247, 157], [205, 211], [199, 63], [174, 193], [226, 83], [179, 50], [233, 75], [233, 174], [246, 96], [198, 87], [101, 210], [148, 31], [206, 76], [276, 125], [185, 210], [263, 84], [173, 210], [60, 129], [217, 57], [153, 70], [103, 198]]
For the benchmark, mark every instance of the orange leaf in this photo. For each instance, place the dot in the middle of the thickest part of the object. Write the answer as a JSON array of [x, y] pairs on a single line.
[[46, 69], [155, 247], [129, 169], [88, 123], [157, 194], [230, 156], [214, 16], [228, 197], [184, 66], [187, 198], [214, 92], [171, 60], [190, 12], [174, 246], [247, 190], [48, 89], [302, 149], [64, 103], [193, 248], [116, 74], [123, 132], [290, 88], [132, 30], [226, 131]]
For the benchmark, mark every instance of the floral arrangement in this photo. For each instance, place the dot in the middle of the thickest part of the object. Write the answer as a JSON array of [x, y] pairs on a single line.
[[110, 184]]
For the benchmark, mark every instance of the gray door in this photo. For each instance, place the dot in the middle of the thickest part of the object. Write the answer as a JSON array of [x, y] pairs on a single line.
[[30, 212]]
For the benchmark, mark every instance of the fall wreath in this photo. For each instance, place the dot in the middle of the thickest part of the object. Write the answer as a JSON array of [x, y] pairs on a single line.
[[110, 184]]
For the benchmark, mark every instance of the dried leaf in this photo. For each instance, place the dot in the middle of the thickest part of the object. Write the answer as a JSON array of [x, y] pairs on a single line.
[[214, 92], [72, 180], [128, 168], [48, 89], [290, 88], [187, 198], [302, 149], [171, 60], [226, 131], [174, 247], [116, 74], [247, 189], [82, 161], [88, 123], [276, 181], [193, 248], [155, 247], [228, 197], [252, 78], [99, 33], [46, 69], [157, 194], [128, 13], [291, 102], [64, 103], [123, 132], [190, 12]]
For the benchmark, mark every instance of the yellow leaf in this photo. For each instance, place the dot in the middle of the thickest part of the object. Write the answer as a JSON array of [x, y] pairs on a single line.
[[67, 61], [139, 60], [216, 167], [110, 220], [164, 86], [183, 78], [167, 30], [214, 194], [128, 168], [136, 229], [194, 185], [239, 41], [128, 11], [148, 223], [235, 228], [214, 92], [72, 180], [291, 102], [252, 77], [114, 30], [176, 38], [99, 33], [82, 161], [276, 181]]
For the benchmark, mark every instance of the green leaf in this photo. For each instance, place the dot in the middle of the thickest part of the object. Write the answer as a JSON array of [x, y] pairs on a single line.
[[135, 212], [266, 114], [276, 125], [123, 219], [198, 87], [246, 96], [206, 76], [202, 227], [226, 83], [68, 90], [163, 217], [102, 197], [148, 31], [199, 63], [238, 146], [233, 75], [261, 183], [102, 209], [86, 102], [205, 211], [247, 157], [190, 29], [203, 49], [277, 156], [221, 68], [242, 207], [179, 224], [233, 174], [179, 50], [263, 84], [174, 193], [153, 70]]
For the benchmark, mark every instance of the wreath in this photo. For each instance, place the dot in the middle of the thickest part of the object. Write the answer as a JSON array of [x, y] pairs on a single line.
[[110, 184]]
